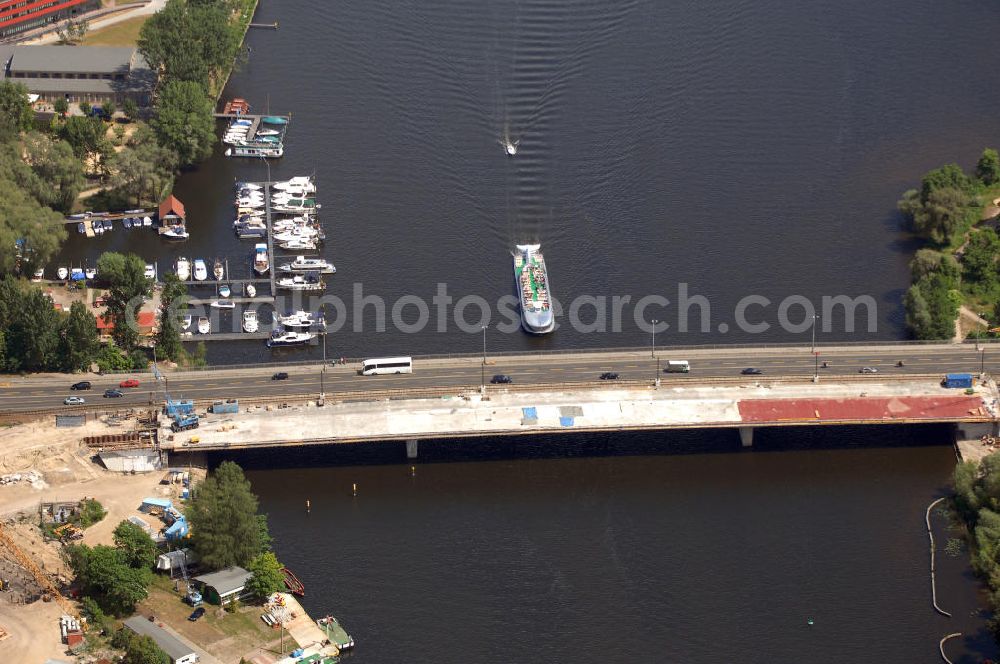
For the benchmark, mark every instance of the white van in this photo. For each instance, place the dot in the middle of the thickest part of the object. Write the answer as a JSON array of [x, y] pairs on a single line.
[[677, 366]]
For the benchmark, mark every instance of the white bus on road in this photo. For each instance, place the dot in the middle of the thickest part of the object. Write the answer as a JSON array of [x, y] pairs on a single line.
[[386, 365], [677, 366]]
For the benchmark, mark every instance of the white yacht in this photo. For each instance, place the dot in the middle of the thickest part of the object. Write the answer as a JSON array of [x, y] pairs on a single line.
[[250, 290], [218, 270], [224, 290], [250, 323], [183, 268], [176, 232], [90, 273], [204, 326], [150, 271], [200, 270], [39, 274], [301, 283], [299, 183], [303, 264], [223, 304], [62, 272], [298, 244], [289, 338], [299, 319], [186, 322]]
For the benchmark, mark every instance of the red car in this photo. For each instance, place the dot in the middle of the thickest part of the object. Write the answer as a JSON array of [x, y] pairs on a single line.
[[131, 382]]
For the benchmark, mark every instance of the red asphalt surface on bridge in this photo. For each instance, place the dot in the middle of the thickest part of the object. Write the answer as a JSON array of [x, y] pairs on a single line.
[[929, 408]]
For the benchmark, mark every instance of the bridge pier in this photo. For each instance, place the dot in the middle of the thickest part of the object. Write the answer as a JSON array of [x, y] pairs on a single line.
[[411, 448], [746, 436]]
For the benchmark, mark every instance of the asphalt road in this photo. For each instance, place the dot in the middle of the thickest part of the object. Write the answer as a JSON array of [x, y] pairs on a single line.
[[37, 392]]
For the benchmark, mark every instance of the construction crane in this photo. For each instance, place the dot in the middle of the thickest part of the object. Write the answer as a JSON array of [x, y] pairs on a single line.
[[40, 577]]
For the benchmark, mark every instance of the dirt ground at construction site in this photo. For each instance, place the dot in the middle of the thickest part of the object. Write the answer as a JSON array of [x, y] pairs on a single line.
[[69, 471]]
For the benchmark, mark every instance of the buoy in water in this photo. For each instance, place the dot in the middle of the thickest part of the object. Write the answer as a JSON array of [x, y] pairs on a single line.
[[810, 621], [308, 506], [413, 471], [354, 489]]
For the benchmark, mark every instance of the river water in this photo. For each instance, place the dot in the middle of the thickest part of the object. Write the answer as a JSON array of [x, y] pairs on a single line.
[[741, 148], [636, 548]]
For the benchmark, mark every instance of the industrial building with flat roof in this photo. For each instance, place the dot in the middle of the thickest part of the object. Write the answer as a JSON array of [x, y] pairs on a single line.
[[92, 74], [16, 16]]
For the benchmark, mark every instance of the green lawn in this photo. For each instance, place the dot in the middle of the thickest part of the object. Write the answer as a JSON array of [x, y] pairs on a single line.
[[125, 33]]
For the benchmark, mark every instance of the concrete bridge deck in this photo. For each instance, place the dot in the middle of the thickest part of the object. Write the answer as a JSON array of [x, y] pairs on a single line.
[[464, 413]]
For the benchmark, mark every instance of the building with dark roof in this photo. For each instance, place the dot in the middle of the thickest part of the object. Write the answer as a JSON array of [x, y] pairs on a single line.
[[16, 16], [225, 585], [92, 74]]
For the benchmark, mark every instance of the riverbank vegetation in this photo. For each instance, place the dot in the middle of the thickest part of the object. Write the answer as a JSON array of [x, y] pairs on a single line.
[[977, 501], [954, 214]]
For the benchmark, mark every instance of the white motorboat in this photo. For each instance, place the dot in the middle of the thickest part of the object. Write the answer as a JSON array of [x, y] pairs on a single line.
[[250, 323], [204, 326], [81, 228], [176, 232], [146, 221], [261, 264], [253, 203], [303, 264], [249, 185], [90, 273], [62, 273], [183, 269], [289, 338], [301, 283], [299, 319], [300, 182], [298, 244], [223, 304], [39, 274], [250, 290], [224, 290], [200, 271], [253, 151], [218, 270], [296, 233], [510, 147], [185, 322], [268, 132], [150, 271]]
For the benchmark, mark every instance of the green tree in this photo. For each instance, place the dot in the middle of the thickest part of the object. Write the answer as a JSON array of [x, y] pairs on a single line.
[[173, 299], [929, 261], [942, 216], [988, 167], [59, 172], [15, 110], [109, 109], [80, 338], [979, 263], [130, 109], [111, 358], [85, 107], [931, 308], [949, 176], [128, 286], [143, 650], [85, 135], [137, 548], [61, 106], [190, 41], [144, 171], [103, 575], [32, 332], [224, 522], [37, 229], [267, 576], [184, 121]]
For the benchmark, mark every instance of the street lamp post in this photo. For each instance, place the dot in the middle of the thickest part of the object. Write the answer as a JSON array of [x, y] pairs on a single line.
[[482, 367], [652, 343], [815, 354]]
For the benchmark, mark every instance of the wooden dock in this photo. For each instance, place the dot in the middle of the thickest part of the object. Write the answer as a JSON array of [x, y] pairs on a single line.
[[113, 216], [203, 301]]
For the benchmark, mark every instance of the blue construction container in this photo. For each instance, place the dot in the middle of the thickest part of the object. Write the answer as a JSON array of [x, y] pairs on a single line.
[[957, 380]]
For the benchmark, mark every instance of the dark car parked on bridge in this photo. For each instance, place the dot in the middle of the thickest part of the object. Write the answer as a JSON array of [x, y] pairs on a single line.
[[82, 385], [501, 379], [751, 371], [609, 375], [281, 375], [113, 394]]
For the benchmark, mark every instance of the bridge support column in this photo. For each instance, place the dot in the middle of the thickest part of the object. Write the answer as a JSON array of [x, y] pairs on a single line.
[[746, 436], [411, 449]]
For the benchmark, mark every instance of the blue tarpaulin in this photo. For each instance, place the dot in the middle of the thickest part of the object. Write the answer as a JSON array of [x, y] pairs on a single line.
[[530, 413], [566, 421], [162, 503]]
